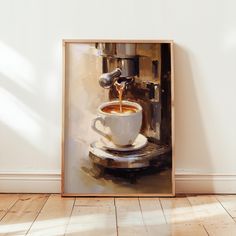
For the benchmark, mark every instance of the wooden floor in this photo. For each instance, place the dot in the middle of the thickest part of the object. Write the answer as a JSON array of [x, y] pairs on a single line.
[[48, 215]]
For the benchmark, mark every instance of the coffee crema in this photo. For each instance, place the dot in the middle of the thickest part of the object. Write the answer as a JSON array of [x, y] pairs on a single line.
[[114, 109]]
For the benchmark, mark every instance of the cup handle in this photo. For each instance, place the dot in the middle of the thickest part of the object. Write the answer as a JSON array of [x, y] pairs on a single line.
[[101, 119]]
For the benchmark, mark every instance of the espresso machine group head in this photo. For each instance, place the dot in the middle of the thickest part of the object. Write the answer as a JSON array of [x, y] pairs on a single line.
[[120, 63]]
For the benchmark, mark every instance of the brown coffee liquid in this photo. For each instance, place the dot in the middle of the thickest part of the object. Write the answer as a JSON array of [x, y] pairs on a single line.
[[114, 109]]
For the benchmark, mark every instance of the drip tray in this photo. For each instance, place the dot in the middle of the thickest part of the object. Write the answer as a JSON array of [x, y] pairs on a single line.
[[151, 154]]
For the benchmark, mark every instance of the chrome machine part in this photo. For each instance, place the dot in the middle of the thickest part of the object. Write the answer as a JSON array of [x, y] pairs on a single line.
[[106, 80], [128, 66], [106, 49], [117, 50], [154, 119], [129, 159]]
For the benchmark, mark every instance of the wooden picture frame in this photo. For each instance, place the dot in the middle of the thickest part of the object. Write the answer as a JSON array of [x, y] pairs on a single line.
[[68, 45]]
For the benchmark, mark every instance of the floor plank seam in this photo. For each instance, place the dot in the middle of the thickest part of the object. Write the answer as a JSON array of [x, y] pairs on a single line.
[[8, 210], [224, 208], [117, 232], [197, 221], [205, 229], [163, 212], [146, 228], [37, 214], [69, 218]]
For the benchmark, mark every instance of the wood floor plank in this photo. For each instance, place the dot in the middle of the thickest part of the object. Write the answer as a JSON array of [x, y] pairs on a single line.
[[191, 229], [30, 203], [6, 202], [94, 201], [92, 220], [153, 217], [39, 214], [229, 203], [180, 217], [177, 210], [22, 214], [212, 215], [54, 216], [17, 223], [209, 211], [221, 229], [129, 217]]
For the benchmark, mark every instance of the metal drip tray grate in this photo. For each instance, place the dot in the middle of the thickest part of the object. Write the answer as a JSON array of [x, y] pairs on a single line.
[[148, 155]]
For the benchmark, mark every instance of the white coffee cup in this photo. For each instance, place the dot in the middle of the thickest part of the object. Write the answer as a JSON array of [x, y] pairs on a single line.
[[122, 128]]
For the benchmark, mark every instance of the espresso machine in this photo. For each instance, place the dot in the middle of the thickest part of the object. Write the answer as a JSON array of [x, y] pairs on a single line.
[[145, 68]]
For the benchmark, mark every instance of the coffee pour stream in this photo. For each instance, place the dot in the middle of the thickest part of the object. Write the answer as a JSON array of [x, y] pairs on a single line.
[[120, 87], [106, 80]]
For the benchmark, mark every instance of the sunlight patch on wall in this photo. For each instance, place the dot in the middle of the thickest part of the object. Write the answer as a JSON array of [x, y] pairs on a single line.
[[19, 118], [16, 67], [230, 39]]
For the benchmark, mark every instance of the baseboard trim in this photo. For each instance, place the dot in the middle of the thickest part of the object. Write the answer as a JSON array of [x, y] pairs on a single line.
[[30, 182], [203, 183], [50, 182]]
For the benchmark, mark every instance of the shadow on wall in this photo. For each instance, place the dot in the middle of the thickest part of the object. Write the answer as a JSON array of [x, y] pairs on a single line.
[[192, 147]]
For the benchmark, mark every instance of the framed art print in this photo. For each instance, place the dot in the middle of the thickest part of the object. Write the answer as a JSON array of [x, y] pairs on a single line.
[[118, 118]]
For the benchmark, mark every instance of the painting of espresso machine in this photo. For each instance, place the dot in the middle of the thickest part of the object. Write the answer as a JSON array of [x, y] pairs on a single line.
[[110, 152], [146, 72]]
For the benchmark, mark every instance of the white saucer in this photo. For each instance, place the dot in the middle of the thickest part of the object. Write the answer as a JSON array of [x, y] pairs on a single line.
[[139, 142]]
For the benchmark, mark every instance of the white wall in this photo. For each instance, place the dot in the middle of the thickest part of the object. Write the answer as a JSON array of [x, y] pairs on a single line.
[[30, 77]]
